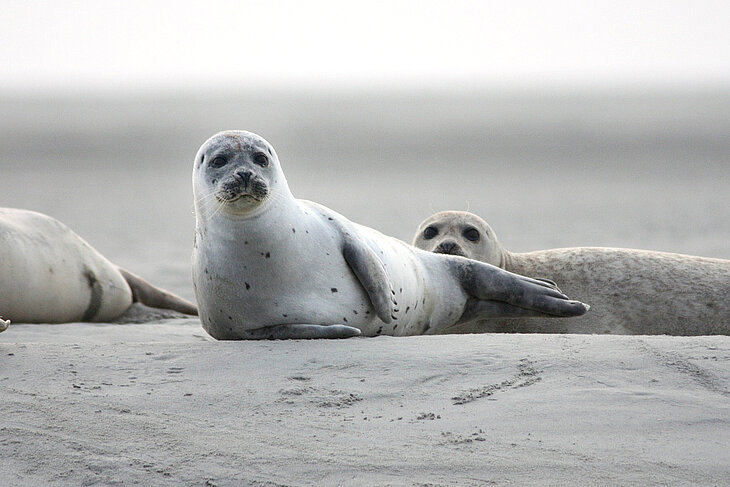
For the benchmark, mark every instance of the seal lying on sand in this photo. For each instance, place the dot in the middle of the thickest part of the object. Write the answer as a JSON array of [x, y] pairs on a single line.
[[266, 265], [48, 274], [630, 291]]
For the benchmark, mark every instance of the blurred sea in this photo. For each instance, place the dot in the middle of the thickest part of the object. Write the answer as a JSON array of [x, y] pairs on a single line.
[[641, 170]]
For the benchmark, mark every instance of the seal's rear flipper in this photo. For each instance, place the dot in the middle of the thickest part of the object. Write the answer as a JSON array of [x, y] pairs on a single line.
[[149, 295], [488, 283], [301, 332]]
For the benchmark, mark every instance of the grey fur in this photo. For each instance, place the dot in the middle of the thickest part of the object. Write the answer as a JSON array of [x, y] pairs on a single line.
[[630, 291]]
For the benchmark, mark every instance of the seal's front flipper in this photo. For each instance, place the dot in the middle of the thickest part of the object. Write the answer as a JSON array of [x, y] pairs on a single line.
[[372, 275], [4, 324], [550, 282], [489, 283], [149, 295], [301, 332], [476, 309]]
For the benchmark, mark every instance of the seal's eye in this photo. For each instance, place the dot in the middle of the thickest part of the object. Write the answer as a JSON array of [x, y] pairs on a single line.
[[218, 162], [429, 233], [471, 234], [261, 159]]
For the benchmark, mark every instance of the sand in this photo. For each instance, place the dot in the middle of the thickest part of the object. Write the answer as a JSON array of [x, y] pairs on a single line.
[[163, 404]]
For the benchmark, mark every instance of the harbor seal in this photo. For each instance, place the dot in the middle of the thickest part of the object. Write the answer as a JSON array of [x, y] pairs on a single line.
[[48, 274], [637, 292], [266, 265]]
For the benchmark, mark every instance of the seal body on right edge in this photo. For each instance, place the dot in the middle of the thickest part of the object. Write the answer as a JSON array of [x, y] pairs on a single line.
[[266, 265], [635, 292]]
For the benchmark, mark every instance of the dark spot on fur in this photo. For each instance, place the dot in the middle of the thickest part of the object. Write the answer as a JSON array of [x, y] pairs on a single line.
[[268, 255], [395, 326], [394, 317], [284, 315], [334, 289], [248, 286], [245, 242], [96, 295], [393, 291], [293, 230], [407, 308], [354, 311], [330, 218], [50, 269], [230, 318], [424, 300], [345, 319], [367, 312], [306, 231], [427, 327], [401, 289], [394, 309], [206, 270], [380, 330], [269, 149]]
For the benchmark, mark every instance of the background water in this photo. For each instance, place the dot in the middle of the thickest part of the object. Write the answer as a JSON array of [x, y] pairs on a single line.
[[642, 170]]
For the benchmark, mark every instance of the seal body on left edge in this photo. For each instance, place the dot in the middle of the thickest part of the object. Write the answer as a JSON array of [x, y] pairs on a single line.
[[48, 274], [266, 265]]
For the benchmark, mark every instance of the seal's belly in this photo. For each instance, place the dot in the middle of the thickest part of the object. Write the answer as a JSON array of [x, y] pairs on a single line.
[[314, 285]]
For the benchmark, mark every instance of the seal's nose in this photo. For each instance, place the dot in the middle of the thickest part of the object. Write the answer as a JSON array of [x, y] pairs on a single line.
[[446, 247], [244, 175]]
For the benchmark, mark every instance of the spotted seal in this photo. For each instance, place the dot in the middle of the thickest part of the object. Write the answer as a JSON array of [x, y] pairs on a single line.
[[266, 265]]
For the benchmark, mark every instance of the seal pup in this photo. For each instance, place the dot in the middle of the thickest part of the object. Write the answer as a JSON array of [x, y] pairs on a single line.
[[48, 274], [637, 292], [266, 265]]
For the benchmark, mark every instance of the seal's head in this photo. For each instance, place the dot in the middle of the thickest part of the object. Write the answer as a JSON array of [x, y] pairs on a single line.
[[459, 233], [236, 172]]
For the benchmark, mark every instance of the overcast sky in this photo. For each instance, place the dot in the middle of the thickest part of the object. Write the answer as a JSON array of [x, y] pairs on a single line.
[[110, 45]]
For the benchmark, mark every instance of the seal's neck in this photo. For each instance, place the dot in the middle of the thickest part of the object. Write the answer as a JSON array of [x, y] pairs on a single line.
[[506, 259], [279, 210]]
